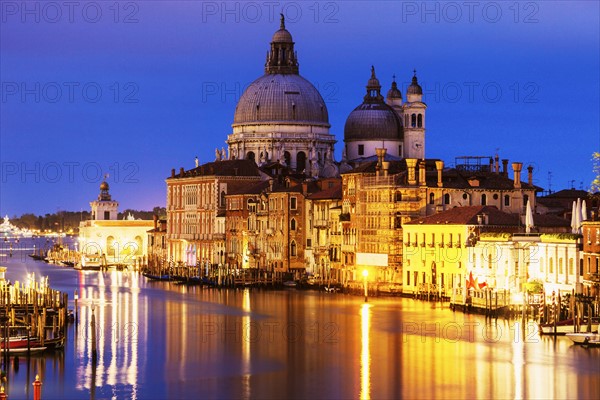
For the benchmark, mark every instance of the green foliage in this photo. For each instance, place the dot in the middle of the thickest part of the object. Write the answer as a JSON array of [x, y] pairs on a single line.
[[559, 237], [595, 187], [497, 236], [534, 286]]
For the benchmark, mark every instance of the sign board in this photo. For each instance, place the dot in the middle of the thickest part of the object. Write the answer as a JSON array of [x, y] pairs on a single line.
[[372, 259]]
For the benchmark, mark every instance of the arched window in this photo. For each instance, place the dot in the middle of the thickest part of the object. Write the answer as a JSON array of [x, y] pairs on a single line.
[[506, 200], [420, 121], [222, 199], [431, 198], [139, 246], [398, 197], [447, 198], [110, 245], [251, 156], [525, 200], [413, 120], [287, 158], [300, 161], [293, 248], [483, 199], [293, 224]]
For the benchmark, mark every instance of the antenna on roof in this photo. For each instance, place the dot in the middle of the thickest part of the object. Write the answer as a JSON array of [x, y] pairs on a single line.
[[549, 182]]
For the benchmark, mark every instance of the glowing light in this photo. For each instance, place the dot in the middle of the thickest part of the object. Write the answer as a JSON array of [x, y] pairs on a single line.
[[365, 273], [365, 354]]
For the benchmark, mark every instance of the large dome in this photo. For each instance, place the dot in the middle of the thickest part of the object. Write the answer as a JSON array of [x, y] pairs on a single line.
[[281, 98], [373, 121]]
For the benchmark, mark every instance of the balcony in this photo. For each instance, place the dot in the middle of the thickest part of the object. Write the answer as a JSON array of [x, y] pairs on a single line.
[[321, 223]]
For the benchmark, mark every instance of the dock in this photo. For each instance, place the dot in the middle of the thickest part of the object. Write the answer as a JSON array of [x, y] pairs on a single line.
[[33, 316]]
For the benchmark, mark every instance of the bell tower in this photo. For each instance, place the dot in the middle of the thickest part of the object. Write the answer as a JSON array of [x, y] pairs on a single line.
[[104, 208]]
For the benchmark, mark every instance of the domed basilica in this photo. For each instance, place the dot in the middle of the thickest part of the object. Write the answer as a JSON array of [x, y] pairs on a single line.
[[282, 117]]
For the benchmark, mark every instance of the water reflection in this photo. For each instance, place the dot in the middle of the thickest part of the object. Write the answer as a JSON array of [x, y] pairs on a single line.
[[113, 298], [164, 340], [365, 352]]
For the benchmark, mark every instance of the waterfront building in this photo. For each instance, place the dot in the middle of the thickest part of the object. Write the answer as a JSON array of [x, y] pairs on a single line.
[[116, 241], [380, 196], [590, 265], [157, 240], [322, 223], [196, 208], [488, 245]]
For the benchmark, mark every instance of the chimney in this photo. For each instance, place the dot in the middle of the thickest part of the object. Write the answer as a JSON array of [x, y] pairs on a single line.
[[422, 181], [530, 175], [270, 184], [155, 218], [304, 188], [380, 157], [486, 218], [181, 171], [491, 164], [479, 219], [505, 167], [386, 168], [439, 165], [411, 164], [517, 166], [172, 172], [496, 164]]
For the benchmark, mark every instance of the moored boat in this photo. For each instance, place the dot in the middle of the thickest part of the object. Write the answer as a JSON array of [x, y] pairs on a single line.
[[590, 339], [568, 326]]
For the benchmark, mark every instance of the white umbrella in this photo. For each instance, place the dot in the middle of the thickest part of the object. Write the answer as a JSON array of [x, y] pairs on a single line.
[[574, 218], [528, 218], [578, 216], [583, 211]]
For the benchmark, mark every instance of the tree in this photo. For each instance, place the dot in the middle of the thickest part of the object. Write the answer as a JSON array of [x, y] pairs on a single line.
[[595, 188]]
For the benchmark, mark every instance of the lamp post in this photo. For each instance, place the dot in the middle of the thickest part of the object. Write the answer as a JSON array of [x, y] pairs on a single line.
[[365, 275]]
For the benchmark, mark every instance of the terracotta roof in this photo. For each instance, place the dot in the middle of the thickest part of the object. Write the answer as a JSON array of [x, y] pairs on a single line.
[[222, 168], [468, 216], [334, 192], [572, 194], [249, 188]]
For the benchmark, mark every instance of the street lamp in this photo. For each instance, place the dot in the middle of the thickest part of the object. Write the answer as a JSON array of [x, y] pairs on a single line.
[[365, 275]]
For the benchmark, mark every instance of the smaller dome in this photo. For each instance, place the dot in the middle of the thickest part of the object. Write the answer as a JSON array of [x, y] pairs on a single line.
[[414, 87], [104, 186], [394, 92], [373, 121], [282, 35]]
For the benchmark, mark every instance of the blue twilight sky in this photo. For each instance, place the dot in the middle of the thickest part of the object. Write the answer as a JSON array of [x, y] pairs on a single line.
[[135, 88]]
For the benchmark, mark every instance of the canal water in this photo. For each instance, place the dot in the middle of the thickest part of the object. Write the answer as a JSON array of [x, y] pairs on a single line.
[[159, 340]]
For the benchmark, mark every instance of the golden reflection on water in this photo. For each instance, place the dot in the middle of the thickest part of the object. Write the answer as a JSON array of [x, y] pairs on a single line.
[[117, 332], [247, 334], [365, 353]]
